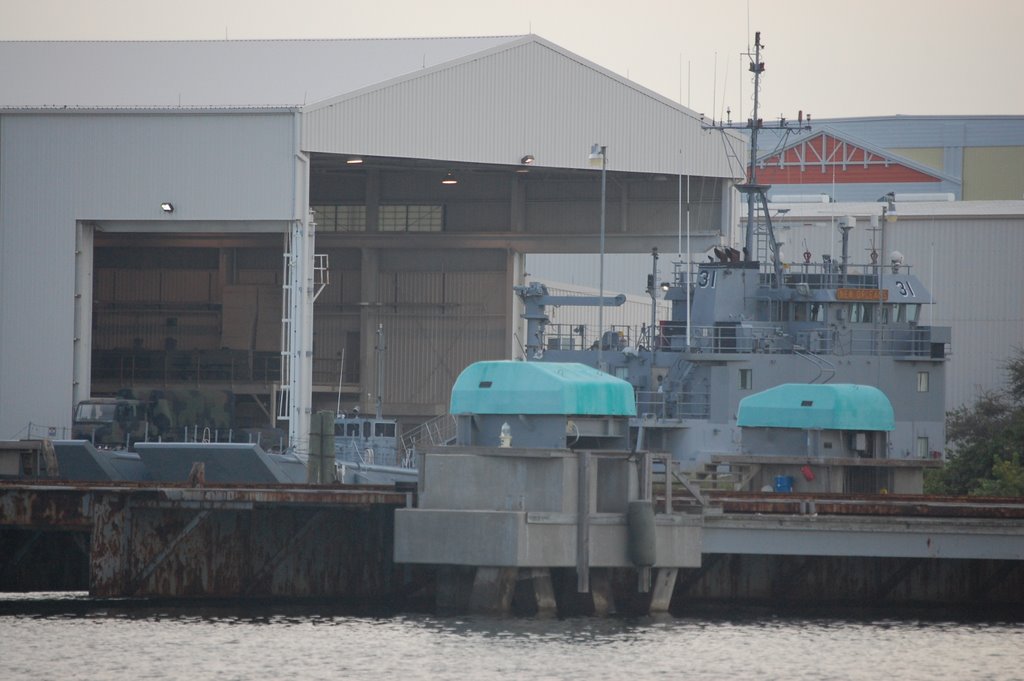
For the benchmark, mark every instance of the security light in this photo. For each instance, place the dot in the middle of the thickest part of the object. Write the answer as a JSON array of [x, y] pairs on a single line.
[[449, 178], [527, 160], [353, 160], [167, 207]]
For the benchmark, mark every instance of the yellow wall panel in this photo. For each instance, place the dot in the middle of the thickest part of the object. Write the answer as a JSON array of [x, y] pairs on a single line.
[[933, 158], [993, 173]]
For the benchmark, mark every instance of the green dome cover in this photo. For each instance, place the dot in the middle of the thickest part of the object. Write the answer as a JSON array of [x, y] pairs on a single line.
[[512, 387], [814, 406]]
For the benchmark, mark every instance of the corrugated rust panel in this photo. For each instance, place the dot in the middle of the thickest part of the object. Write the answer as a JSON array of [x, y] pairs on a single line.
[[279, 552], [45, 508]]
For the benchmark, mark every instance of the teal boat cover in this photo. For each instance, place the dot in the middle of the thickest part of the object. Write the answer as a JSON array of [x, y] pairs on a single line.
[[512, 387], [817, 406]]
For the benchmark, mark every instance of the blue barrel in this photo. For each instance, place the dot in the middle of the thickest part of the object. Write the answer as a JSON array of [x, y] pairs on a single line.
[[783, 483]]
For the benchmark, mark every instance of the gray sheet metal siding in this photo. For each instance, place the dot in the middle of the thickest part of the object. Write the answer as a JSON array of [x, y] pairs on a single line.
[[58, 169], [447, 313], [121, 167], [530, 98], [213, 72], [933, 131]]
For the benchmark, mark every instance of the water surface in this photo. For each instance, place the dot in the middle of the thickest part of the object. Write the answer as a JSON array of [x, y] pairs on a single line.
[[69, 636]]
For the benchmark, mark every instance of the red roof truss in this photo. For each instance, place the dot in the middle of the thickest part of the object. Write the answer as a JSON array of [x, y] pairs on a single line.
[[825, 158]]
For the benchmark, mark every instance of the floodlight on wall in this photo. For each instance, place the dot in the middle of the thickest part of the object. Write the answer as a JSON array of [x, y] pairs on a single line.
[[527, 160], [354, 160], [449, 178], [167, 207]]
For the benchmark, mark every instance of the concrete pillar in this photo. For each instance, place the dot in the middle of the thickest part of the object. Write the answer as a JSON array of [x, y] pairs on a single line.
[[535, 593], [663, 585], [492, 590], [601, 591]]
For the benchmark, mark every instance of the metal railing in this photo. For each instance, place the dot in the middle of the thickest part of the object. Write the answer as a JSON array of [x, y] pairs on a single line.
[[673, 404], [437, 431]]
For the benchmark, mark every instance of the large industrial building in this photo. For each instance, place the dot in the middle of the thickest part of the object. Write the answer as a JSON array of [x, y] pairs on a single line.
[[311, 223]]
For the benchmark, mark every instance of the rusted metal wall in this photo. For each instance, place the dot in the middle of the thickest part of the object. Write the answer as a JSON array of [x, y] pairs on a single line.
[[289, 552], [175, 541]]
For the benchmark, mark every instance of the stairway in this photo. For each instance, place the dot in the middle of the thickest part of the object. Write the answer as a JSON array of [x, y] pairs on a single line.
[[732, 477]]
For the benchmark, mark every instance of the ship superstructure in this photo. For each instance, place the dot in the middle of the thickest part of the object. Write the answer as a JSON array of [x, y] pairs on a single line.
[[743, 320]]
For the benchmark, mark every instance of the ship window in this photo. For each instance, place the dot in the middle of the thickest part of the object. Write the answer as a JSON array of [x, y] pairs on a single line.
[[384, 429], [366, 429], [807, 403], [746, 379], [817, 312], [486, 384], [899, 313], [352, 430], [922, 447], [861, 313], [922, 381], [913, 311]]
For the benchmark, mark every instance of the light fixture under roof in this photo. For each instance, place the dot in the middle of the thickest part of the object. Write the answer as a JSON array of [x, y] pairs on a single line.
[[167, 207], [354, 160], [449, 178], [527, 160]]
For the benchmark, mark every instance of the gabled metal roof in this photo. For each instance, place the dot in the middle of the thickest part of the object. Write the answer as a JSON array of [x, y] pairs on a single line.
[[526, 96], [475, 100], [212, 73]]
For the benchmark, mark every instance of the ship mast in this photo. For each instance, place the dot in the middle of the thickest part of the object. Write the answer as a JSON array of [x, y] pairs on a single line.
[[756, 193], [757, 68]]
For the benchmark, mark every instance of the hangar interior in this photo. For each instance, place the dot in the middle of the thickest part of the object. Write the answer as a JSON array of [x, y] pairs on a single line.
[[430, 264]]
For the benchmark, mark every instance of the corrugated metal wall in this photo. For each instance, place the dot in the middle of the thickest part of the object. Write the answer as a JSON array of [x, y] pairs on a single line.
[[523, 100], [438, 320]]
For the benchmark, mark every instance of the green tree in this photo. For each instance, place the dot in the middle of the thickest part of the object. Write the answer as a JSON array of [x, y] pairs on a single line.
[[987, 440]]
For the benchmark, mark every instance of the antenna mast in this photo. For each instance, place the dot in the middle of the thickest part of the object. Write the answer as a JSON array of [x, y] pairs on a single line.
[[757, 194]]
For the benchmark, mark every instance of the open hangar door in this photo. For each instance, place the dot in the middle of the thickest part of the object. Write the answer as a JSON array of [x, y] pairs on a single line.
[[180, 312]]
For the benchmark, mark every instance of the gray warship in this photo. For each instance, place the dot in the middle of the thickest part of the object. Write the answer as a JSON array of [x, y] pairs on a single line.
[[744, 322]]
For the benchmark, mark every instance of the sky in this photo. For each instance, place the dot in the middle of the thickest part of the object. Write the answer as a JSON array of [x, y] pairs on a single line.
[[830, 58]]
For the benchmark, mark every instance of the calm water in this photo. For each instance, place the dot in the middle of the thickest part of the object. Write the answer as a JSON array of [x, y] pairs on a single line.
[[67, 636]]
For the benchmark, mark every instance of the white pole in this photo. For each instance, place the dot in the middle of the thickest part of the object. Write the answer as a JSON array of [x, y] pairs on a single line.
[[600, 307], [341, 380], [689, 262]]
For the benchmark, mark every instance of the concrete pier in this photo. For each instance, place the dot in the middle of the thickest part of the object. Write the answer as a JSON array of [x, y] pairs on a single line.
[[173, 541]]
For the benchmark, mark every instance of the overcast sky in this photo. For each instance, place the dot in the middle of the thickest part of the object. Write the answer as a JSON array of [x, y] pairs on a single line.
[[831, 58]]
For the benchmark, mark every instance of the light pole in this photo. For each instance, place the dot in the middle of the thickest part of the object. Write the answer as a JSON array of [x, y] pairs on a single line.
[[599, 155]]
